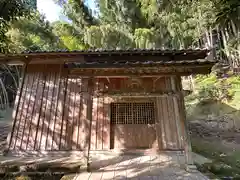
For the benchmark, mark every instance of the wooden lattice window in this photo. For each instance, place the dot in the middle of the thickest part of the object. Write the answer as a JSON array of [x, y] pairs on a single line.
[[133, 113]]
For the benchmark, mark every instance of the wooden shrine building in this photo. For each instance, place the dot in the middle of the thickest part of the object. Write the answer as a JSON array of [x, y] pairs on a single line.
[[103, 99]]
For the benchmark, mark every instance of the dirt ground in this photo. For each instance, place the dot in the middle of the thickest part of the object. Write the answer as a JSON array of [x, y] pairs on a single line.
[[221, 146]]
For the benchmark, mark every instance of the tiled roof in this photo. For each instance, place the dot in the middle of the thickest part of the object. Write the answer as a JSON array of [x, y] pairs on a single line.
[[116, 58], [115, 64], [155, 51]]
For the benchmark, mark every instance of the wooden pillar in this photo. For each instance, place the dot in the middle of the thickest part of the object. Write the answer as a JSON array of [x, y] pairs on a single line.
[[187, 143], [180, 134], [89, 117]]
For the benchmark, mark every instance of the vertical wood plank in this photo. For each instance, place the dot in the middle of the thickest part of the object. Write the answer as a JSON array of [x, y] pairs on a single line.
[[20, 112], [35, 114], [10, 138], [94, 120], [176, 113], [84, 129], [94, 115], [173, 130], [80, 117], [64, 115], [26, 114], [74, 120], [47, 111], [58, 111], [68, 115], [165, 122], [42, 125], [103, 123], [107, 124], [34, 100], [159, 131], [77, 113], [100, 118], [89, 117], [38, 113], [73, 111], [51, 111]]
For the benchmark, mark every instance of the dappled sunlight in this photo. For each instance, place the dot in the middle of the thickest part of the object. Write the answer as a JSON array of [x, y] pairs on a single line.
[[50, 117], [53, 114], [158, 166]]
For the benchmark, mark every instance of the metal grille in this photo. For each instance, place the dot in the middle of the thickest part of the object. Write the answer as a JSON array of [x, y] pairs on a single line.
[[133, 113]]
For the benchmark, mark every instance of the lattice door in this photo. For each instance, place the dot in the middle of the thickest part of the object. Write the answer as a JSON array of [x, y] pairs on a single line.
[[133, 113], [130, 125]]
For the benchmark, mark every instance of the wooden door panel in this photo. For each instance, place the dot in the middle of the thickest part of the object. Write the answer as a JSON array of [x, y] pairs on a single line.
[[134, 136], [133, 125]]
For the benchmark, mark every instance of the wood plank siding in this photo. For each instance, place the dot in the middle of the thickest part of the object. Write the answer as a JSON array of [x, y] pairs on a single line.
[[52, 112]]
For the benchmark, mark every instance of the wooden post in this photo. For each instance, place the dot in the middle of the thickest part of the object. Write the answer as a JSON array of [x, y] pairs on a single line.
[[177, 117], [190, 167], [89, 116]]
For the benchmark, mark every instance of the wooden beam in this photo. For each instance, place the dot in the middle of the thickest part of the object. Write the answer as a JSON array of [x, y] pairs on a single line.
[[147, 72], [137, 94], [124, 76]]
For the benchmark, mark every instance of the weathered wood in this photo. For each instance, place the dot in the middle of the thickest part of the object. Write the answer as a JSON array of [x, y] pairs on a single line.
[[133, 136], [89, 117], [60, 118], [187, 142], [154, 71], [58, 107], [16, 109], [27, 113], [33, 105], [19, 127]]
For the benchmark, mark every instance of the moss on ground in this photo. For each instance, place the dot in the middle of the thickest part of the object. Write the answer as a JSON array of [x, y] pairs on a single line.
[[225, 163]]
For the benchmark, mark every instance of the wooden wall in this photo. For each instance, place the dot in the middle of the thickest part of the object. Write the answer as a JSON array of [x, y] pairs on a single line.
[[54, 110], [50, 112]]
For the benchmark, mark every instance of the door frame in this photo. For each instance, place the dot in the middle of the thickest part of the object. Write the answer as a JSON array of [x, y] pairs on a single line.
[[131, 100]]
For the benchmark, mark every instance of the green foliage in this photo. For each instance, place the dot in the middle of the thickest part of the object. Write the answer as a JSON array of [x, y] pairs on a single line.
[[107, 37], [79, 14], [123, 13], [212, 88], [228, 10], [145, 38], [31, 33], [70, 38], [128, 24], [10, 10]]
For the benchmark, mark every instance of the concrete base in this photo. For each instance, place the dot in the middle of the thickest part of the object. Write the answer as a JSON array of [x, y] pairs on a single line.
[[191, 168]]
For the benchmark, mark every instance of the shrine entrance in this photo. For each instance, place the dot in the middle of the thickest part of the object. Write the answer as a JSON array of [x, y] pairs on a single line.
[[132, 125]]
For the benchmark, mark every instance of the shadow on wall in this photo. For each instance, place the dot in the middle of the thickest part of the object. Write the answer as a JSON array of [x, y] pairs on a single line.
[[48, 116], [53, 114]]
